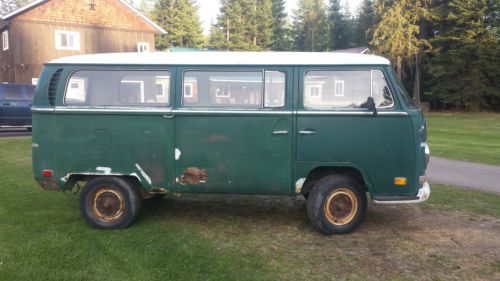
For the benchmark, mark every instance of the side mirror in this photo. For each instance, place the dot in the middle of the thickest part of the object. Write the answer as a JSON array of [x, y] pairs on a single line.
[[370, 103]]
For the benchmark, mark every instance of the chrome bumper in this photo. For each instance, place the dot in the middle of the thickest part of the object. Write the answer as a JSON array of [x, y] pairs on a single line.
[[423, 194]]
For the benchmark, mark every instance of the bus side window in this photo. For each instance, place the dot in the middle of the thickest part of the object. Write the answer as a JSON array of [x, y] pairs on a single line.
[[380, 90], [241, 89], [345, 89], [76, 91], [275, 89], [118, 88]]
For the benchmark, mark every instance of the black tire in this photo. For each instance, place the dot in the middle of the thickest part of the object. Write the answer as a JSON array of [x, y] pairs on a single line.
[[336, 204], [109, 203]]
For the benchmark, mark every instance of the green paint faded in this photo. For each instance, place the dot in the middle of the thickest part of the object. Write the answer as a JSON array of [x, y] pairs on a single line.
[[225, 150]]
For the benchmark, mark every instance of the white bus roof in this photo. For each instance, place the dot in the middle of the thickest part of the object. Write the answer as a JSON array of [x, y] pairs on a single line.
[[224, 58]]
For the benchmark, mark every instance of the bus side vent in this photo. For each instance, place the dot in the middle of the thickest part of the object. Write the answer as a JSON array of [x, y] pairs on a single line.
[[54, 81]]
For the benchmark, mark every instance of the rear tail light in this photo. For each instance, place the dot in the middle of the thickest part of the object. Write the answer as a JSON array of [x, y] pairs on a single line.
[[47, 173]]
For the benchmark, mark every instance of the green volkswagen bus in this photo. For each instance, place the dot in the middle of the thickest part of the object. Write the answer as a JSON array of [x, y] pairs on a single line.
[[331, 127]]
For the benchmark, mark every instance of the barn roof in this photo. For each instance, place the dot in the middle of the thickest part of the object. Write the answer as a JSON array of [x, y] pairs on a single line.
[[37, 3]]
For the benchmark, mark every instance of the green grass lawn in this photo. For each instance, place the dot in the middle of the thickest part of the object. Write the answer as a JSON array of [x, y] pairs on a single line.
[[469, 201], [43, 237], [471, 137]]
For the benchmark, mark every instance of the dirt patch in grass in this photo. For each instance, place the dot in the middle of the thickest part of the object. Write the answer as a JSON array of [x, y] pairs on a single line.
[[394, 242]]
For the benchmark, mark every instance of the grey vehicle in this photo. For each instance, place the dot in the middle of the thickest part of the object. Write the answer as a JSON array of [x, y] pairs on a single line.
[[15, 105]]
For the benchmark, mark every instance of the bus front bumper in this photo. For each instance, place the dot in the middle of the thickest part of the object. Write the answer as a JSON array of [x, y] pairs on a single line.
[[423, 194]]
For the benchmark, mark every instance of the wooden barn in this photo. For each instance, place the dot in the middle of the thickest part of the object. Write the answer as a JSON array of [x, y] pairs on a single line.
[[47, 29]]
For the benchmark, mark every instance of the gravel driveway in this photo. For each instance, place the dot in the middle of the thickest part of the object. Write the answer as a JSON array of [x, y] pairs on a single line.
[[14, 132], [465, 174]]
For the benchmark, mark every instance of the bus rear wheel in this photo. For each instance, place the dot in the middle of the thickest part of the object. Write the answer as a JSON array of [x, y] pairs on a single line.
[[336, 204], [109, 203]]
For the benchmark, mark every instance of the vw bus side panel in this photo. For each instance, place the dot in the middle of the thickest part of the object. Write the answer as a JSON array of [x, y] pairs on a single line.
[[381, 147], [231, 149], [234, 153], [44, 154], [100, 143], [133, 141]]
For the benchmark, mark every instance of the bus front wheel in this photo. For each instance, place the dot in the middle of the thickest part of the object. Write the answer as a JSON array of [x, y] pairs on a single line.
[[109, 203]]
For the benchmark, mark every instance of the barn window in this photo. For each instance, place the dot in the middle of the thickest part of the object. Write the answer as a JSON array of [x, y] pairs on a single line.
[[5, 40], [142, 47], [67, 40]]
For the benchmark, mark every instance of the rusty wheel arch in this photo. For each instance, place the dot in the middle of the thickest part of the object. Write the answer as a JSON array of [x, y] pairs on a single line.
[[320, 172], [73, 179]]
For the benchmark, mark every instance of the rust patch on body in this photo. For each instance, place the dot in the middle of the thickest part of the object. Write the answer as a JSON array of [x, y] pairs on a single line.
[[193, 176], [49, 185], [217, 138]]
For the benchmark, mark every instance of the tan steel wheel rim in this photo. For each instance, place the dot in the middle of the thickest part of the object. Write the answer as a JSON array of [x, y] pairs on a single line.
[[341, 206], [108, 204]]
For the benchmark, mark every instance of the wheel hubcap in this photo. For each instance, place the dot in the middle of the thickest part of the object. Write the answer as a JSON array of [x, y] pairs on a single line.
[[341, 206], [108, 204]]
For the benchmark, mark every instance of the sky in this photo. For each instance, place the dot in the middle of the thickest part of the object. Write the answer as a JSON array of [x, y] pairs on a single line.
[[208, 10]]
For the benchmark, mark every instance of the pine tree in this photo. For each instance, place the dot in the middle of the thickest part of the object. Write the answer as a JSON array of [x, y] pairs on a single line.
[[465, 67], [310, 26], [192, 32], [180, 19], [340, 27], [243, 25], [260, 22], [229, 32], [280, 33], [397, 36], [217, 39], [365, 23], [265, 22]]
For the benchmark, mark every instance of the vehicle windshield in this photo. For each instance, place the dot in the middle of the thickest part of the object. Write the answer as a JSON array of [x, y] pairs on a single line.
[[401, 88]]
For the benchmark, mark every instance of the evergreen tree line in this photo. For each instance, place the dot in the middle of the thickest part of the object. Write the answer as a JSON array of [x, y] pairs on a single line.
[[445, 51]]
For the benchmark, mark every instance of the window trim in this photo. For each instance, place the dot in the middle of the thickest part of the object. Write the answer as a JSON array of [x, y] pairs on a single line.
[[76, 42], [80, 81], [371, 69], [224, 108], [341, 84], [5, 40], [125, 107], [146, 46], [141, 87], [164, 86], [190, 86], [315, 86]]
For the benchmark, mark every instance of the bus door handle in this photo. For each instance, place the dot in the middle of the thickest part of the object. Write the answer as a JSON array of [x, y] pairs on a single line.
[[307, 132], [168, 116], [280, 133]]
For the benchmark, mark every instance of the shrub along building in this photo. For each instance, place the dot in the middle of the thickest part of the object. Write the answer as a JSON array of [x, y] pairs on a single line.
[[47, 29]]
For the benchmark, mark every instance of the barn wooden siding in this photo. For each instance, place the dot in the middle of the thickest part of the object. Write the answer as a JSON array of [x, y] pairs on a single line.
[[110, 27]]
